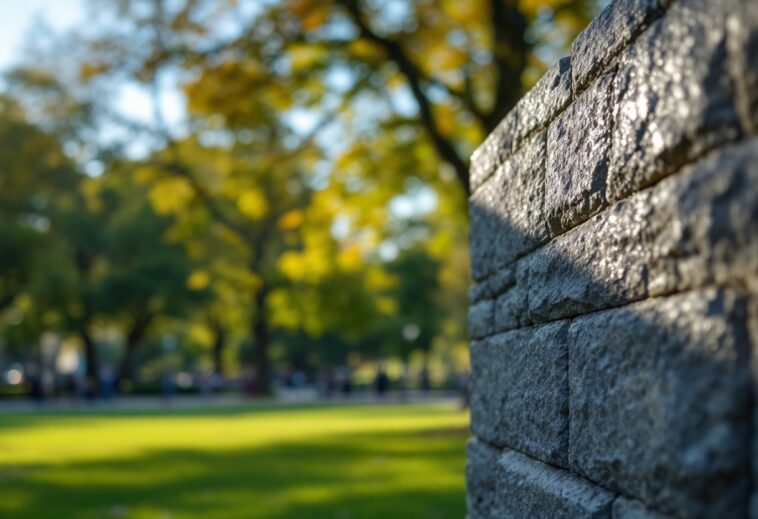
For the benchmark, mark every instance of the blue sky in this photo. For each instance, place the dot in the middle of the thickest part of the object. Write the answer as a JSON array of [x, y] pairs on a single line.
[[17, 16]]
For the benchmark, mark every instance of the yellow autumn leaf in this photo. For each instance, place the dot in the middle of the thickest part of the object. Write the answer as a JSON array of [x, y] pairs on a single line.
[[364, 49], [315, 19], [170, 195], [198, 280], [467, 13], [350, 258], [377, 280], [89, 71], [252, 204], [291, 220], [303, 56], [386, 305]]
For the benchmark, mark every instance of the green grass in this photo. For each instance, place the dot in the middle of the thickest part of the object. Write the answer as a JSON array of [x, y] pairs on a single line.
[[241, 462]]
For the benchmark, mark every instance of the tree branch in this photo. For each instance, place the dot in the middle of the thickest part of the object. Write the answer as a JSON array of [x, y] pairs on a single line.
[[181, 170], [509, 52], [414, 76]]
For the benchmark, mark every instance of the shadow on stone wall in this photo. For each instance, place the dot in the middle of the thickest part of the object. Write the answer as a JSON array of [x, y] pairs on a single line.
[[619, 352]]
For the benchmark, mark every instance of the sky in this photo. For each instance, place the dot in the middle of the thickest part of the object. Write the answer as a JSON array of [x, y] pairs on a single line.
[[17, 16]]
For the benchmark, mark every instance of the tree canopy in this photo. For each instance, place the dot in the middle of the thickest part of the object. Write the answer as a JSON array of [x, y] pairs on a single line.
[[309, 189]]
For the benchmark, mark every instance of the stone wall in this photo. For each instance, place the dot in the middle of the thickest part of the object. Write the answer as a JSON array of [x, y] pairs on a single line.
[[614, 247]]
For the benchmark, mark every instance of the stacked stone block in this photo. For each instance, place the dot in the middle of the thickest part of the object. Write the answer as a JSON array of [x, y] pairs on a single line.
[[614, 246]]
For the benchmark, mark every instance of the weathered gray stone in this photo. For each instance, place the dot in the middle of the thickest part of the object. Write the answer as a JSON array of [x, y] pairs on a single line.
[[704, 223], [481, 479], [529, 489], [481, 319], [673, 96], [656, 400], [478, 291], [506, 212], [533, 112], [742, 38], [600, 264], [578, 145], [660, 402], [493, 286], [624, 508], [497, 147], [608, 34], [519, 393], [691, 230], [511, 306]]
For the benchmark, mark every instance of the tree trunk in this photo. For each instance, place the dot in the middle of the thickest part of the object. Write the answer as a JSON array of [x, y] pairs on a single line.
[[219, 345], [126, 368], [260, 335], [424, 381], [91, 361], [133, 341]]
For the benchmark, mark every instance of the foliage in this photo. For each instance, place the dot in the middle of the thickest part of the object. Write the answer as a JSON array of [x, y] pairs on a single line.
[[313, 195]]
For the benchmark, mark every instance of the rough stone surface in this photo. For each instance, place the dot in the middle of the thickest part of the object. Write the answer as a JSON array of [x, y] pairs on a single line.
[[691, 230], [673, 97], [614, 245], [671, 423], [704, 223], [492, 286], [530, 489], [600, 264], [577, 162], [607, 34], [742, 37], [624, 508], [510, 306], [481, 319], [519, 393], [481, 479], [533, 112], [506, 213]]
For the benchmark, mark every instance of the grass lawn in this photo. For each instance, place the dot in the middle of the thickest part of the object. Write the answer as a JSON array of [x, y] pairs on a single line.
[[345, 462]]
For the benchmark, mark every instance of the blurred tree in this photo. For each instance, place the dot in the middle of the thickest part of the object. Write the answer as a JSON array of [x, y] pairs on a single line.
[[226, 195], [450, 69], [35, 175], [419, 317], [323, 140], [145, 275], [39, 187]]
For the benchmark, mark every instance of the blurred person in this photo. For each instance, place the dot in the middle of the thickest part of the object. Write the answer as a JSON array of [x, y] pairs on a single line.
[[71, 384], [382, 382], [36, 388], [346, 382], [205, 383], [167, 387], [424, 381], [107, 383], [298, 379]]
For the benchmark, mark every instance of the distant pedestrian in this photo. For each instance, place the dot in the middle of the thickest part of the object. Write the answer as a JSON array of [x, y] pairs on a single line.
[[107, 384], [167, 387], [346, 383], [424, 382], [381, 383], [36, 389]]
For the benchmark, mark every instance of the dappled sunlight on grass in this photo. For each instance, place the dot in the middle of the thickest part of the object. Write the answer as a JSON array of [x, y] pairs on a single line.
[[314, 462]]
